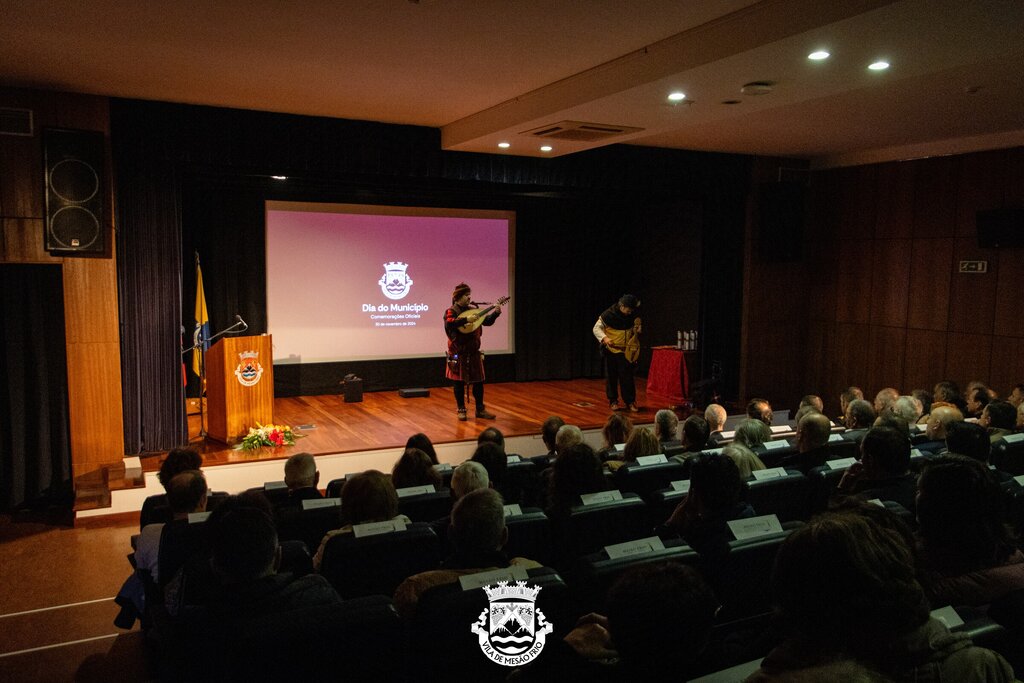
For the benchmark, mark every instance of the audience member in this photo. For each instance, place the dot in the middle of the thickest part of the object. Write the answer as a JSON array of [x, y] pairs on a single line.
[[666, 426], [811, 444], [366, 497], [548, 430], [491, 435], [493, 458], [467, 477], [893, 421], [760, 409], [884, 399], [849, 395], [715, 416], [880, 617], [186, 493], [970, 439], [422, 442], [968, 554], [695, 438], [1020, 417], [567, 437], [937, 427], [746, 461], [575, 472], [752, 433], [977, 399], [301, 477], [859, 418], [1016, 397], [884, 469], [812, 401], [616, 430], [178, 460], [478, 533], [415, 469], [924, 397], [641, 442], [999, 418], [947, 391], [907, 408]]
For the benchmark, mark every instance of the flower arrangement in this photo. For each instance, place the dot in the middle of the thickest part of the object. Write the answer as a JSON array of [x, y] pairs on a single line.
[[268, 435]]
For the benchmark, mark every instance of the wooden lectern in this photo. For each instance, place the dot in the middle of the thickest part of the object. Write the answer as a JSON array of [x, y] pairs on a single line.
[[239, 386]]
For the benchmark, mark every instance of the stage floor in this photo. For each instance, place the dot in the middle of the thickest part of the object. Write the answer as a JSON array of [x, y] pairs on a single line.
[[385, 420]]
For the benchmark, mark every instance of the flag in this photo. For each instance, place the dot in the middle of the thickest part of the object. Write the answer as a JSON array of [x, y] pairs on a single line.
[[202, 331]]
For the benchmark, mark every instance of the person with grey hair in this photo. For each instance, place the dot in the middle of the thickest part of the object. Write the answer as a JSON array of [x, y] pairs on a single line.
[[811, 444], [715, 416], [479, 533], [858, 420], [567, 437], [746, 461], [301, 477], [666, 426], [469, 476], [908, 408], [752, 433]]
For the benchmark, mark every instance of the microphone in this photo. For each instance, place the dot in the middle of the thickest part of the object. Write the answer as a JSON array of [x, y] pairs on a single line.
[[242, 322], [479, 303]]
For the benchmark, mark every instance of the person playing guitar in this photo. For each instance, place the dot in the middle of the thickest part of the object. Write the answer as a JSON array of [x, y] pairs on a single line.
[[462, 325], [618, 330]]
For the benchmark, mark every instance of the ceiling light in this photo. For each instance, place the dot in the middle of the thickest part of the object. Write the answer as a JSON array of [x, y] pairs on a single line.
[[757, 87], [546, 148], [504, 145], [676, 96], [880, 65], [279, 177], [818, 55]]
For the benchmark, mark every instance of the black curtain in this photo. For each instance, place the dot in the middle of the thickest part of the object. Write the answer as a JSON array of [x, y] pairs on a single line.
[[35, 451]]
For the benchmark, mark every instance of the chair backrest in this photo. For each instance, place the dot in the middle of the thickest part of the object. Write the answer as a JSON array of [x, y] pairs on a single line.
[[772, 456], [274, 496], [741, 580], [375, 565], [589, 528], [426, 507], [822, 484], [661, 503], [179, 541], [786, 497], [334, 488], [595, 573], [645, 479], [529, 536], [837, 450], [1008, 456], [308, 526], [156, 510], [522, 483]]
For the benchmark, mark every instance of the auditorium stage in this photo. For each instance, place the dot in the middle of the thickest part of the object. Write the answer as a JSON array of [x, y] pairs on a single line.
[[352, 437]]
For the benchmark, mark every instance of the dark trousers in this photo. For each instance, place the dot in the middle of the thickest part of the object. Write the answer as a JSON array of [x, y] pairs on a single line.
[[620, 373], [478, 395]]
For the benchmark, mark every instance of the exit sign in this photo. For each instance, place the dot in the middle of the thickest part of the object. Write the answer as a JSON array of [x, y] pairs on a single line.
[[974, 266]]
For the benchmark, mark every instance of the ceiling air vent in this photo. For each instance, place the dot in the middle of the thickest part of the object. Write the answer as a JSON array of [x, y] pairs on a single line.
[[580, 131], [15, 121]]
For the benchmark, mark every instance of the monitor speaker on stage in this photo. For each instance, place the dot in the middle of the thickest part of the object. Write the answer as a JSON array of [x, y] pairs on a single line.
[[73, 161]]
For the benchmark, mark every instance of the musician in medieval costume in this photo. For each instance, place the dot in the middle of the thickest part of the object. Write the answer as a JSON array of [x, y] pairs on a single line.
[[465, 360], [618, 330]]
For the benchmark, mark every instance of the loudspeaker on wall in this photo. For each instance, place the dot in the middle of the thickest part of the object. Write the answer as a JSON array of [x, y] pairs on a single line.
[[73, 162]]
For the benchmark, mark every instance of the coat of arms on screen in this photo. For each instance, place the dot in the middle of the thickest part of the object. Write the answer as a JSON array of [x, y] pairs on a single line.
[[511, 630], [249, 369], [395, 282]]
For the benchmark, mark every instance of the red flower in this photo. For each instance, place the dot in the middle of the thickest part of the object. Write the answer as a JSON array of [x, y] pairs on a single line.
[[277, 438]]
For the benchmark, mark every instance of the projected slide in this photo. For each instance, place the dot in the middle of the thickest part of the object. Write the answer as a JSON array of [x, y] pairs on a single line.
[[359, 282]]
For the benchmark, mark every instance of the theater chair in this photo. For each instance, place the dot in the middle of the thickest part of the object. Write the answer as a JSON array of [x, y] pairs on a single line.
[[589, 528], [441, 645], [308, 526], [275, 495], [822, 484], [741, 579], [1008, 455], [661, 503], [837, 450], [529, 536], [334, 488], [155, 509], [771, 457], [375, 565], [522, 483], [786, 497], [595, 573], [426, 507], [643, 480]]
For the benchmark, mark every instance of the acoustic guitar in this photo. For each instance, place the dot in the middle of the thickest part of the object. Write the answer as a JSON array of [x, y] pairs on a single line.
[[481, 314]]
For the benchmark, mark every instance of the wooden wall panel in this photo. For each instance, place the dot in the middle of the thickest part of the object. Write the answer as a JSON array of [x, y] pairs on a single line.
[[1007, 364], [21, 166], [925, 362], [890, 282], [852, 356], [853, 300], [1014, 192], [931, 269], [22, 241], [1009, 296], [972, 295], [886, 361], [819, 360], [935, 196], [822, 285], [895, 210], [96, 424], [89, 318], [983, 181], [779, 348], [969, 357], [856, 217]]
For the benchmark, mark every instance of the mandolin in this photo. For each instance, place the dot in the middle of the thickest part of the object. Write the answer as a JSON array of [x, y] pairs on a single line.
[[480, 315]]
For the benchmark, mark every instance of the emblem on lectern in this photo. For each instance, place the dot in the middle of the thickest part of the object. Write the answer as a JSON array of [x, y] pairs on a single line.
[[249, 370]]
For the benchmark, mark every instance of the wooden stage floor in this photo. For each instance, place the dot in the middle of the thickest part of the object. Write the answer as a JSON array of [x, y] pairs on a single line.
[[385, 420]]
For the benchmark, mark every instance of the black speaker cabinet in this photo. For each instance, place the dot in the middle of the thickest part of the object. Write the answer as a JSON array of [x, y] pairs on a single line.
[[73, 160]]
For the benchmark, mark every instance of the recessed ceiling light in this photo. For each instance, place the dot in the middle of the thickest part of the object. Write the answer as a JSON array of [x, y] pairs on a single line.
[[546, 148], [504, 145], [819, 55], [279, 177], [730, 101], [676, 96], [880, 65]]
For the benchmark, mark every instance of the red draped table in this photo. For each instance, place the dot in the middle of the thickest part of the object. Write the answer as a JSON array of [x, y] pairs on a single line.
[[668, 375]]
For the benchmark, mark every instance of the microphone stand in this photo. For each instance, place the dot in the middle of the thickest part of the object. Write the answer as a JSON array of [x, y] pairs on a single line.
[[197, 343]]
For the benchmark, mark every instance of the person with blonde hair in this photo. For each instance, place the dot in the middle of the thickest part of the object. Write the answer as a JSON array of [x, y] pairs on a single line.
[[640, 443]]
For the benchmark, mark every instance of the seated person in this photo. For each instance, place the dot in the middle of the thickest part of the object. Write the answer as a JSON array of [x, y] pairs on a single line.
[[186, 493], [893, 421], [415, 469], [811, 444], [908, 408], [422, 442], [666, 424], [178, 460], [714, 499], [641, 442], [245, 557], [366, 497], [548, 430], [696, 433], [495, 461], [491, 435], [616, 430], [845, 588], [753, 434], [576, 471], [884, 400], [478, 533], [848, 396], [858, 419], [883, 471], [746, 461], [566, 437], [301, 477], [937, 427], [999, 418], [715, 416], [924, 397], [967, 554], [977, 399], [467, 477], [760, 409]]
